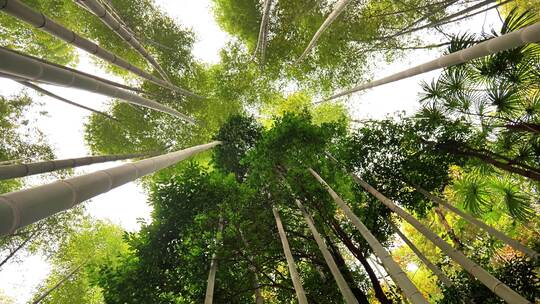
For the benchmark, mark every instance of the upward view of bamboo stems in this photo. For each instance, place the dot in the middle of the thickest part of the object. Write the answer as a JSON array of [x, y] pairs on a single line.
[[508, 41], [57, 285], [120, 29], [338, 9], [398, 275], [18, 65], [348, 296], [492, 283], [24, 207], [209, 297], [436, 270], [295, 277], [40, 21], [263, 30], [472, 220], [62, 99], [20, 170]]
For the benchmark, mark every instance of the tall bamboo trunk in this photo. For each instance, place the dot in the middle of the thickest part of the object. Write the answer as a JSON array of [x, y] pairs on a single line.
[[120, 30], [397, 274], [436, 270], [338, 9], [263, 30], [19, 65], [502, 43], [42, 22], [258, 295], [20, 170], [209, 298], [442, 20], [24, 207], [379, 292], [57, 285], [348, 296], [21, 245], [492, 283], [295, 277], [344, 269], [475, 222], [62, 99]]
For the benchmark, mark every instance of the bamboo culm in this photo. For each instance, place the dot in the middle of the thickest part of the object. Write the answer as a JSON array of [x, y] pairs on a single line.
[[472, 220], [505, 42], [338, 9], [209, 298], [436, 270], [19, 65], [492, 283], [116, 26], [348, 296], [393, 269], [295, 277], [24, 207], [23, 12], [20, 170]]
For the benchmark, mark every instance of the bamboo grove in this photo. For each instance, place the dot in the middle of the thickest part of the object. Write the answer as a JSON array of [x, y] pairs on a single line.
[[269, 197]]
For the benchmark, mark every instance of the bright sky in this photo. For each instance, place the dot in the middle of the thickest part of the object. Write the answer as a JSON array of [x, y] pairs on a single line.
[[123, 206]]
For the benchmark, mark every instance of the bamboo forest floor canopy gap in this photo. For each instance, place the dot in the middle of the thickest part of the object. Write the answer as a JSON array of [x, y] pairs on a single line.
[[290, 202]]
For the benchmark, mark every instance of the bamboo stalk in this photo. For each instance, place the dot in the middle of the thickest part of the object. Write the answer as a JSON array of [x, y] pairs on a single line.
[[436, 270], [209, 298], [20, 170], [263, 30], [492, 283], [19, 65], [505, 42], [120, 29], [23, 12], [472, 220], [348, 296], [57, 285], [393, 269], [24, 207], [62, 99], [338, 9], [295, 277]]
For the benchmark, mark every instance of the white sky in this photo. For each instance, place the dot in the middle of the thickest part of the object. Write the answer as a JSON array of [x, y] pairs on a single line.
[[124, 205]]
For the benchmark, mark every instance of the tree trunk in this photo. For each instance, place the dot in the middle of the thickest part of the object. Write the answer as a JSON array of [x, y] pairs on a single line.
[[492, 283], [21, 245], [120, 30], [459, 149], [23, 66], [20, 170], [348, 296], [436, 270], [475, 222], [24, 207], [209, 298], [263, 30], [50, 94], [300, 293], [338, 9], [524, 127], [64, 279], [379, 293], [344, 269], [40, 21], [457, 242], [258, 295], [502, 43], [397, 274]]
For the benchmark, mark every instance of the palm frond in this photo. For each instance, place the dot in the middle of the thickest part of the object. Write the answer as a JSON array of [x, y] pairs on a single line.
[[516, 201], [472, 193]]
